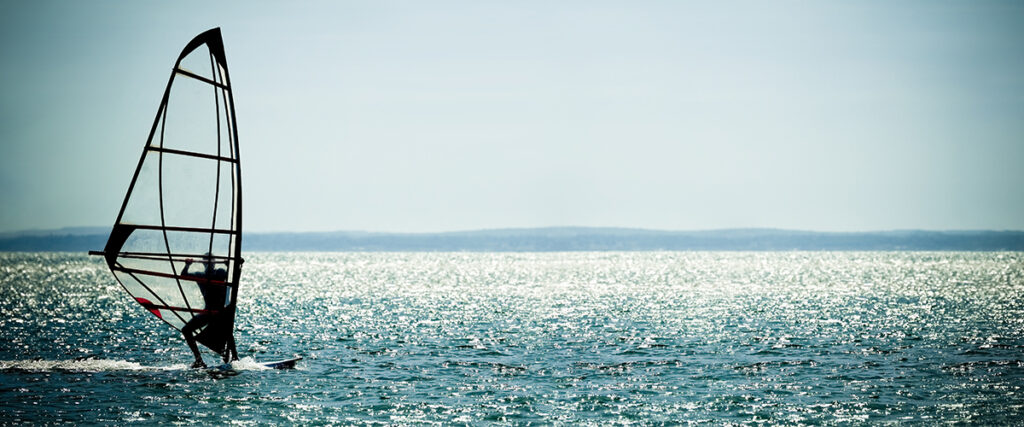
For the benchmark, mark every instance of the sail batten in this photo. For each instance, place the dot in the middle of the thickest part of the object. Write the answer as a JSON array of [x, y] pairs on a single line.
[[191, 154], [188, 229], [176, 243], [162, 256], [200, 78]]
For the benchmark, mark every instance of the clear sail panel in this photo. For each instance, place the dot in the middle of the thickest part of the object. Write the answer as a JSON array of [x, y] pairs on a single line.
[[191, 117], [227, 197], [143, 204], [190, 191]]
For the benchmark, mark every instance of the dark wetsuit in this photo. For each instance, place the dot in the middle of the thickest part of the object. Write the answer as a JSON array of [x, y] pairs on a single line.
[[213, 301]]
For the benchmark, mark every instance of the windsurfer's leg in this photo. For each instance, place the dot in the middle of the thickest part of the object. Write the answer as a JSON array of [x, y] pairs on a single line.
[[195, 351], [188, 331]]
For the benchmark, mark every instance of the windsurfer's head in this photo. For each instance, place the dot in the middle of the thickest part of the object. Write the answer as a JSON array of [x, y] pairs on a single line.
[[209, 260]]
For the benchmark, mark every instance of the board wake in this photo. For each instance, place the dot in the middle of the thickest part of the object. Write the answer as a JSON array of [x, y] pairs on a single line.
[[248, 364], [78, 365]]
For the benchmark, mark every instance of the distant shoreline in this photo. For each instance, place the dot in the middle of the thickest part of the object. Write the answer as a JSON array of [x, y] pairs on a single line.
[[558, 239]]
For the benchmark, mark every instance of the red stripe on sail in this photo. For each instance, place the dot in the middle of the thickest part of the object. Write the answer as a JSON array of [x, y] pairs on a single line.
[[149, 306]]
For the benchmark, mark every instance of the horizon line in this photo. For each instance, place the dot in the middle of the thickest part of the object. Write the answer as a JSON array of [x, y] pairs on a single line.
[[556, 227]]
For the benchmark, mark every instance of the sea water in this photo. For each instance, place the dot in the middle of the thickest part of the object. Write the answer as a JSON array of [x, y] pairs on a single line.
[[548, 338]]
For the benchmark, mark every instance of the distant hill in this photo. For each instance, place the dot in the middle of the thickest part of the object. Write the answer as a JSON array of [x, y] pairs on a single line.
[[82, 239]]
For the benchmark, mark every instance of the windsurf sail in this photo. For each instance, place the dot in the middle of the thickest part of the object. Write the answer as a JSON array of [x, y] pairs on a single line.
[[176, 243]]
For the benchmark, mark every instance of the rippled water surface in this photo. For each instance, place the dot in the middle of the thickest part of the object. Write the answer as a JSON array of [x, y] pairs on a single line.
[[648, 337]]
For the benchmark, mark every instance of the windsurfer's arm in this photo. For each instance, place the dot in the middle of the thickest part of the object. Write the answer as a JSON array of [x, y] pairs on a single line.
[[188, 263]]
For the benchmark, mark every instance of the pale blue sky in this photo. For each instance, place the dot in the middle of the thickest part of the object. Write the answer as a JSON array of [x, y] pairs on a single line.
[[434, 116]]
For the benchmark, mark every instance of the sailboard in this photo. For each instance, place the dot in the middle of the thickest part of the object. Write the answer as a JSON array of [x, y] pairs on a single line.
[[183, 206], [282, 364]]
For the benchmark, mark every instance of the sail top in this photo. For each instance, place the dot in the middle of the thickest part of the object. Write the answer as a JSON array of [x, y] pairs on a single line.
[[212, 39]]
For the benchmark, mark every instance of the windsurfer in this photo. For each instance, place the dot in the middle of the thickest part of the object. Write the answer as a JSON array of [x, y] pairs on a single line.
[[213, 298]]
